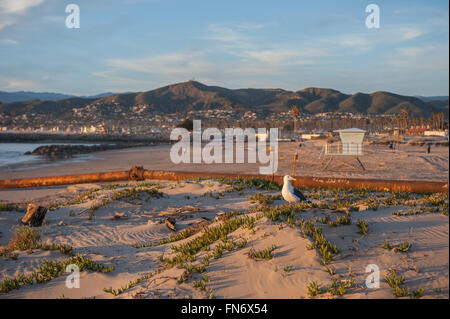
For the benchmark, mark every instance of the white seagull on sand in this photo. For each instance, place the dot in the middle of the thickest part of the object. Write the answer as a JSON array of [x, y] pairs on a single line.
[[291, 194]]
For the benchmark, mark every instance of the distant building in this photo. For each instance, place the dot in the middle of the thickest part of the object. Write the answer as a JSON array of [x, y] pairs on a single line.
[[436, 133], [416, 131], [89, 129], [311, 136]]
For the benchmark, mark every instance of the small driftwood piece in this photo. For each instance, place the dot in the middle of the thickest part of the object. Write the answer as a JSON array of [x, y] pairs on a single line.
[[34, 216], [117, 216], [189, 209], [170, 222], [165, 213], [84, 211]]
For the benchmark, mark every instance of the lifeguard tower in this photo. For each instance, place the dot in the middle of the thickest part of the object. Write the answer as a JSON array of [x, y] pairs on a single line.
[[350, 147]]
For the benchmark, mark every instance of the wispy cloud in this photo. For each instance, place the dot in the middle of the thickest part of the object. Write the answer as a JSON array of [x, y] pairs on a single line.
[[169, 65], [18, 84], [231, 35], [246, 42], [287, 56], [12, 10], [419, 59], [365, 42], [203, 64], [414, 51], [8, 41], [406, 34]]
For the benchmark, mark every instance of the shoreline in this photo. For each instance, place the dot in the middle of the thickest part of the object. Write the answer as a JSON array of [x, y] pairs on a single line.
[[57, 153], [409, 163], [15, 137]]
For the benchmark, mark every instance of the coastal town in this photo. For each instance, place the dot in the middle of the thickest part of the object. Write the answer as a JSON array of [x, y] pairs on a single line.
[[88, 121]]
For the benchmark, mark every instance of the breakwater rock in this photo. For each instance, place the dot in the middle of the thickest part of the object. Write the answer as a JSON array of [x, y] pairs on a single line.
[[67, 151]]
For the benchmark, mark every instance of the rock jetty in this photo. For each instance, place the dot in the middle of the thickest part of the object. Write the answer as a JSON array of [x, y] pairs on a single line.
[[67, 151]]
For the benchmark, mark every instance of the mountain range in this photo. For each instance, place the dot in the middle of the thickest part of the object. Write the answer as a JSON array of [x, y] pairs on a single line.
[[8, 97], [194, 95]]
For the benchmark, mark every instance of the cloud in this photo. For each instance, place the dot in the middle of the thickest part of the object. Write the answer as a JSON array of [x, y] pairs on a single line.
[[365, 42], [11, 10], [114, 79], [406, 34], [224, 34], [241, 40], [18, 84], [8, 41], [203, 67], [413, 51], [171, 65], [286, 56], [225, 37], [18, 6], [231, 35], [419, 59], [350, 44], [203, 64]]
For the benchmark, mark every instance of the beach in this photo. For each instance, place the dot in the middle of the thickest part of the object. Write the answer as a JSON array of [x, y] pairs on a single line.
[[266, 247], [128, 232], [409, 162]]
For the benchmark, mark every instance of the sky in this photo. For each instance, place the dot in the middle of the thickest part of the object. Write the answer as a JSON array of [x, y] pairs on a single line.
[[133, 45]]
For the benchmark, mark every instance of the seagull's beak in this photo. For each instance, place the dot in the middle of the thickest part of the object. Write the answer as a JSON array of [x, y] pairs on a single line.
[[293, 179]]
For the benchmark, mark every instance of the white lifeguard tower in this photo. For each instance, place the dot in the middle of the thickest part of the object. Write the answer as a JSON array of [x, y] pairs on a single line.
[[350, 147]]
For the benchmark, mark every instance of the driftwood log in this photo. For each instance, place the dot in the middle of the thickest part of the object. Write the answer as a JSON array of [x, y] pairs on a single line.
[[34, 216], [170, 222]]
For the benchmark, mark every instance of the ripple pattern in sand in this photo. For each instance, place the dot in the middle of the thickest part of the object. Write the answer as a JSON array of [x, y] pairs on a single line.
[[91, 236]]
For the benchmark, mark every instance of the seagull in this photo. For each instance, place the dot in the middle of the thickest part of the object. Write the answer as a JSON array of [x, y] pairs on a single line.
[[291, 194]]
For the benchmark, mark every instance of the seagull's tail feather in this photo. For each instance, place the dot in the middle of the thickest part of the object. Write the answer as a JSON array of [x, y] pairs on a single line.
[[300, 195]]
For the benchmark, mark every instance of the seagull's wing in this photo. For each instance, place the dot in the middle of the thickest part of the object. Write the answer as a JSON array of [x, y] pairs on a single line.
[[299, 194]]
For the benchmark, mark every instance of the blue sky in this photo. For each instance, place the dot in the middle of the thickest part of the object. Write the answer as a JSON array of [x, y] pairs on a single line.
[[132, 45]]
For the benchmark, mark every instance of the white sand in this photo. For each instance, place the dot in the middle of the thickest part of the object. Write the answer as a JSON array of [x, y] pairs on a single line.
[[234, 275], [409, 163]]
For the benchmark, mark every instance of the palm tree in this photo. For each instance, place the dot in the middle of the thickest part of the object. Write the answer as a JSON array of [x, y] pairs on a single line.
[[404, 117], [294, 113], [433, 120], [422, 121], [441, 120]]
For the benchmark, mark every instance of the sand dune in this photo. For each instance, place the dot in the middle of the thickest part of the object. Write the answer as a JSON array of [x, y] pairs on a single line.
[[288, 274]]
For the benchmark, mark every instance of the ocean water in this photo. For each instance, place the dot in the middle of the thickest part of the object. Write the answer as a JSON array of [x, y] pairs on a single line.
[[14, 153]]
